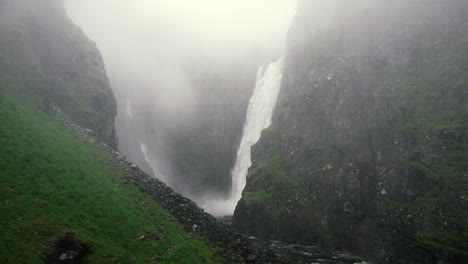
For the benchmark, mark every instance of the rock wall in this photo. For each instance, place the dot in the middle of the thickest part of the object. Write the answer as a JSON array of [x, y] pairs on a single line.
[[204, 152], [195, 149], [43, 54], [367, 151]]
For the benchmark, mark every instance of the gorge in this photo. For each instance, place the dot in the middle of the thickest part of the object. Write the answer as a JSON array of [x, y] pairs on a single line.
[[250, 131]]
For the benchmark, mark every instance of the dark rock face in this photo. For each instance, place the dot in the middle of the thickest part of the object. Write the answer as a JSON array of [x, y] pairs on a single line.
[[367, 151], [205, 152], [43, 54], [195, 148], [67, 249]]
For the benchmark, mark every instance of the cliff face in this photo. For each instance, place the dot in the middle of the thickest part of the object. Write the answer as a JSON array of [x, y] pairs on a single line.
[[193, 149], [43, 54], [205, 152], [367, 151]]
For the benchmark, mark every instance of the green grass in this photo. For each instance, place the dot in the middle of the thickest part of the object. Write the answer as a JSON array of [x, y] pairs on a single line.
[[53, 182]]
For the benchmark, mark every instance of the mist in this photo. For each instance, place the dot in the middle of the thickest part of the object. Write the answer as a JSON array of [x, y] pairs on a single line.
[[175, 64], [183, 73], [185, 28], [234, 131], [141, 41]]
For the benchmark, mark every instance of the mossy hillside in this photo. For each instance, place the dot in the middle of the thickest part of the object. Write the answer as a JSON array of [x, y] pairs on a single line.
[[52, 182]]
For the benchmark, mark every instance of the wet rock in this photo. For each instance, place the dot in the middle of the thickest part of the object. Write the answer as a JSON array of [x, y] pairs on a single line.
[[69, 255], [339, 139], [67, 249], [251, 258]]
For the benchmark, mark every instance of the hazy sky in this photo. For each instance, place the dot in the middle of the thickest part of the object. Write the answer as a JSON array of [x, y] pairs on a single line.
[[184, 27], [148, 45]]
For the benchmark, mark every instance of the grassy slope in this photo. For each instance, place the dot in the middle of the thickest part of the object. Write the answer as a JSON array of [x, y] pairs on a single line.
[[52, 182]]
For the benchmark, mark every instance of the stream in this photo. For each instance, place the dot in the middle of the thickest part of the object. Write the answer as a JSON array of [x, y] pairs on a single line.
[[301, 253]]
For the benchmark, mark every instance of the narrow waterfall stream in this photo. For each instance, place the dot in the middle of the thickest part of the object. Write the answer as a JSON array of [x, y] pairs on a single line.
[[151, 162], [259, 114]]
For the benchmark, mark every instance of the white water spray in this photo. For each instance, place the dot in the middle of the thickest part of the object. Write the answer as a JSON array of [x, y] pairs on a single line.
[[150, 162], [128, 109], [259, 114]]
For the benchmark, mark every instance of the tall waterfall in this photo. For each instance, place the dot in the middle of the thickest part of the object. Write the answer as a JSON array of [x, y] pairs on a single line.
[[259, 114]]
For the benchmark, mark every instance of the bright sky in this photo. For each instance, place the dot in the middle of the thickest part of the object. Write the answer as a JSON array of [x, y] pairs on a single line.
[[185, 24]]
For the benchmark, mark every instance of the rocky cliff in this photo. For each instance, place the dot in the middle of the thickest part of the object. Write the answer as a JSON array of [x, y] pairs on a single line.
[[204, 152], [368, 147], [43, 54], [194, 144]]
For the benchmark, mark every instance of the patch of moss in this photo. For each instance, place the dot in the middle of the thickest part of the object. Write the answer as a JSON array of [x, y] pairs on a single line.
[[260, 196], [445, 241], [269, 132]]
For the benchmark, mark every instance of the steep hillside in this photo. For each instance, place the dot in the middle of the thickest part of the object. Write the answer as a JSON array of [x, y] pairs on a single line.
[[43, 54], [53, 182], [62, 195], [368, 147]]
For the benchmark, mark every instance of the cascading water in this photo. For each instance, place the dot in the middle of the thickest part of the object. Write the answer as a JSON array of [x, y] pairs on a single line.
[[151, 163], [259, 114], [128, 109]]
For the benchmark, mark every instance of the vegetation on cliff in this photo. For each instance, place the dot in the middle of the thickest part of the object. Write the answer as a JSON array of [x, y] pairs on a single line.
[[371, 128]]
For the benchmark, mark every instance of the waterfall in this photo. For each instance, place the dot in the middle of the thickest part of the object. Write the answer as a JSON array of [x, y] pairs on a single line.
[[128, 109], [150, 162], [259, 114]]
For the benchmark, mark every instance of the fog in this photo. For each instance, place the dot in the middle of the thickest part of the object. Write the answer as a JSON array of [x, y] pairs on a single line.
[[144, 40], [183, 72], [173, 62], [158, 29]]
